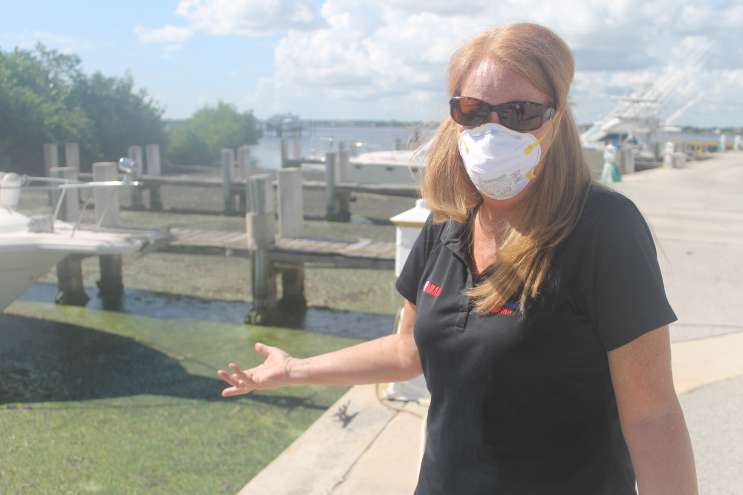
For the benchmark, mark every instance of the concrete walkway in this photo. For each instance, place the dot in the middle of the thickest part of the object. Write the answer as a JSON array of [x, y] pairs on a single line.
[[360, 446]]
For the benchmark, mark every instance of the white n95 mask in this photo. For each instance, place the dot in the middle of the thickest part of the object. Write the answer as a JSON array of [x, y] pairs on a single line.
[[500, 162]]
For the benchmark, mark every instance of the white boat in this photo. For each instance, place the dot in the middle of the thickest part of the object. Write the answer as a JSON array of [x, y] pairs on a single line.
[[31, 246], [642, 121], [398, 167], [391, 167]]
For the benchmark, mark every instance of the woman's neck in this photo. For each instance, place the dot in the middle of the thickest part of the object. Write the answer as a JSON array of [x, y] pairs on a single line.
[[494, 219]]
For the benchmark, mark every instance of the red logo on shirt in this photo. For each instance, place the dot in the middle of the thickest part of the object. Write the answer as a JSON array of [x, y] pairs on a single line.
[[431, 289], [508, 308]]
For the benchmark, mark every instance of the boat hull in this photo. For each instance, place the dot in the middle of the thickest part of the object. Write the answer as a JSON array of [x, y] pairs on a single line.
[[20, 269]]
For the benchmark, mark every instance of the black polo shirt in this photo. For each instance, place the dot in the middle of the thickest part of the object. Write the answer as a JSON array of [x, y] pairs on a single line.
[[523, 404]]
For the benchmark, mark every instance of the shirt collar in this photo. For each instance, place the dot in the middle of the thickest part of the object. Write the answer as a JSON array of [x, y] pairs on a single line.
[[454, 234]]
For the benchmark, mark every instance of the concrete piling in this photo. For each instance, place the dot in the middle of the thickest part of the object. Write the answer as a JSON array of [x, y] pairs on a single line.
[[284, 153], [72, 156], [71, 289], [290, 203], [297, 147], [228, 164], [337, 203], [135, 154], [110, 285], [260, 228], [152, 152], [244, 171], [51, 157]]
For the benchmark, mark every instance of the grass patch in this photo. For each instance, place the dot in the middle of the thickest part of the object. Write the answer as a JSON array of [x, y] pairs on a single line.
[[102, 402]]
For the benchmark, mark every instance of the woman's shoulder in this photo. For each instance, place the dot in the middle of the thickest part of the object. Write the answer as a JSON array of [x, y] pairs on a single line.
[[439, 227], [612, 219], [606, 215], [602, 199], [605, 206]]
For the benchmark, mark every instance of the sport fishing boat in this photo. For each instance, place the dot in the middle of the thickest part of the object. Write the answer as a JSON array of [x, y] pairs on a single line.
[[643, 121], [31, 245]]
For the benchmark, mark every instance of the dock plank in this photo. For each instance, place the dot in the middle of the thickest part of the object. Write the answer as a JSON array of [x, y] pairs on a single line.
[[363, 253]]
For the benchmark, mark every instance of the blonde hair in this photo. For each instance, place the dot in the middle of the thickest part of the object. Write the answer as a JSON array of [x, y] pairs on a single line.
[[555, 200]]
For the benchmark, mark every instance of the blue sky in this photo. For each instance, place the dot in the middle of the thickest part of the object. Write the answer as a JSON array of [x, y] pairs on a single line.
[[385, 59]]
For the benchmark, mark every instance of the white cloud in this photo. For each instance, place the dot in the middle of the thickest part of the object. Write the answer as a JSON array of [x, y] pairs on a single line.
[[247, 17], [394, 54], [398, 50], [171, 35]]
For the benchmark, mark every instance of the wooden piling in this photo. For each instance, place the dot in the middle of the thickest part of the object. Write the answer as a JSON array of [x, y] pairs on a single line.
[[110, 286], [228, 164], [243, 162], [292, 288], [244, 171], [152, 152], [331, 206], [262, 196], [51, 160], [284, 153], [72, 156], [51, 157], [70, 287], [343, 175], [297, 147], [135, 154], [343, 167], [291, 225], [290, 203], [261, 233], [336, 202]]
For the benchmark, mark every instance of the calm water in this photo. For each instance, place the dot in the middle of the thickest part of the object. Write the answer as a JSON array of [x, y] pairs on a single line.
[[316, 141], [174, 307]]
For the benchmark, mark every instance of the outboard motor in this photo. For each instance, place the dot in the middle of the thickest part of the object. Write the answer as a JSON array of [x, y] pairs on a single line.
[[128, 167]]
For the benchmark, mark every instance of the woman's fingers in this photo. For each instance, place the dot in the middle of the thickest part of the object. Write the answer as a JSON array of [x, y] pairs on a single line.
[[232, 391], [236, 377], [239, 386], [224, 375], [262, 348], [244, 382], [234, 367], [237, 373]]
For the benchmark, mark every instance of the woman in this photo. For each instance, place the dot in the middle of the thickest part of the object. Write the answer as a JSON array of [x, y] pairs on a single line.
[[534, 303]]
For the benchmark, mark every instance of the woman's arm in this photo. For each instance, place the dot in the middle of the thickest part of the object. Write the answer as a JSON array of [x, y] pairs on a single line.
[[651, 417], [386, 359]]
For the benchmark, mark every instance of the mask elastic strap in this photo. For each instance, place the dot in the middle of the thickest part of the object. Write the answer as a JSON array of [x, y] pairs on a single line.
[[532, 146]]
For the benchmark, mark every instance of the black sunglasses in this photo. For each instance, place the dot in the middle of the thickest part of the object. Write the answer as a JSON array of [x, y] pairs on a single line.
[[521, 116]]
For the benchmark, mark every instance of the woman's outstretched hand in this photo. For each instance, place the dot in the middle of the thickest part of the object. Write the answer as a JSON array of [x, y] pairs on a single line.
[[274, 372]]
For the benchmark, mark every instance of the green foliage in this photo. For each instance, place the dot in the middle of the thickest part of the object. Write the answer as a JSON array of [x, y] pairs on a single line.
[[34, 88], [121, 116], [185, 147], [209, 130], [46, 98]]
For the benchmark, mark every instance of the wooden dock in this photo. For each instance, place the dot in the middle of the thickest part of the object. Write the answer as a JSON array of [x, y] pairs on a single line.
[[332, 253], [274, 243], [234, 181], [273, 239]]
